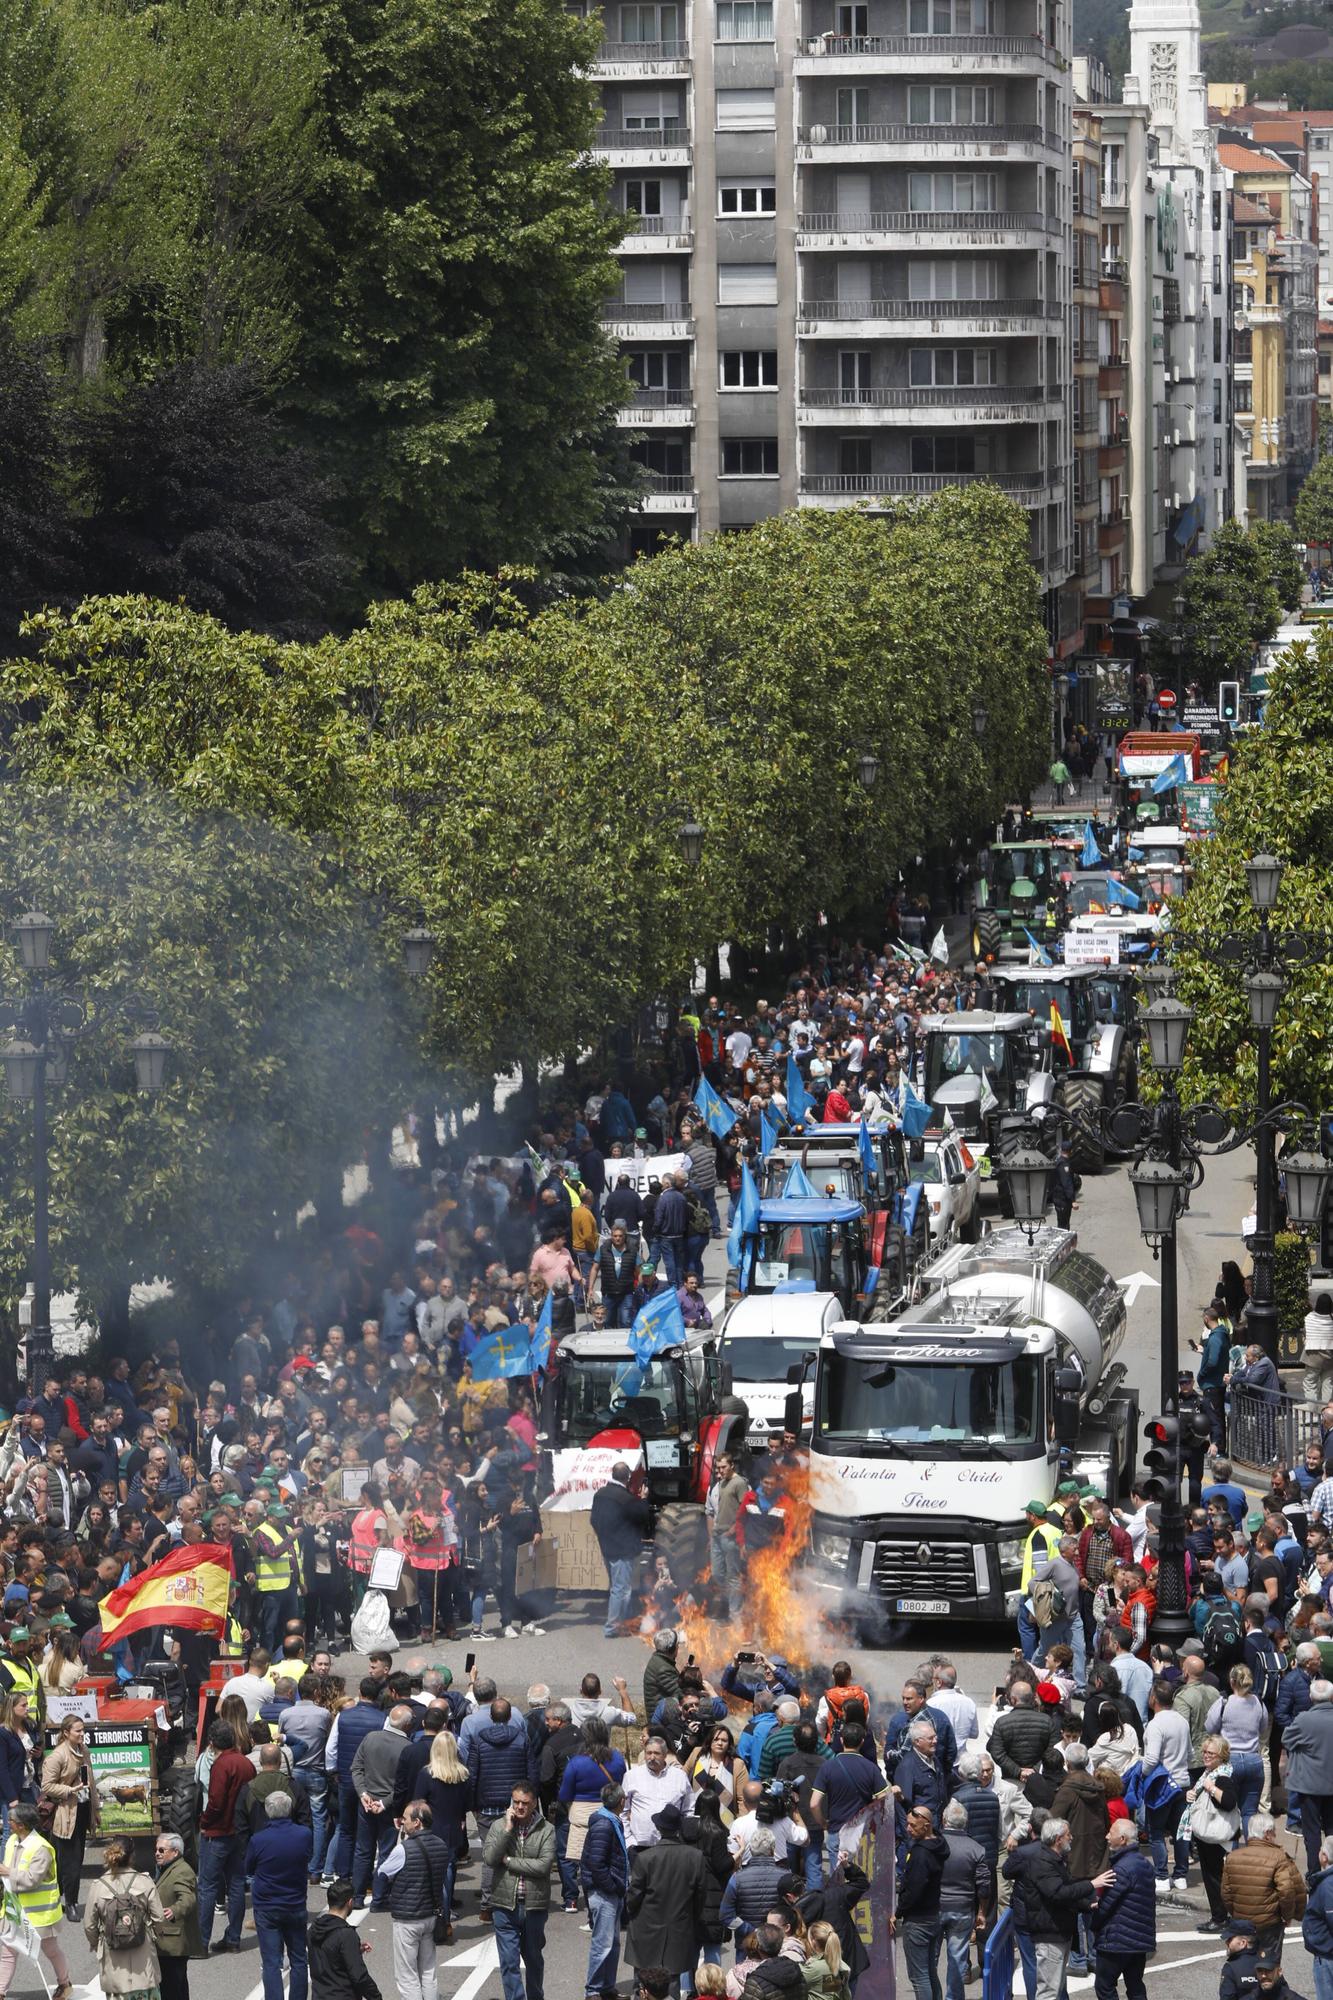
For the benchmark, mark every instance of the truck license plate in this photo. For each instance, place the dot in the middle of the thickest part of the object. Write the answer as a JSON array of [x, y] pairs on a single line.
[[923, 1607]]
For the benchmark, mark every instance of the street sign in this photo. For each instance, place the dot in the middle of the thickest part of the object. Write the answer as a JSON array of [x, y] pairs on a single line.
[[1199, 803], [1166, 698], [1198, 715]]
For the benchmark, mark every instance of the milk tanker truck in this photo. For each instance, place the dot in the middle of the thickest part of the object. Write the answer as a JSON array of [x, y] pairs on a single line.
[[931, 1433]]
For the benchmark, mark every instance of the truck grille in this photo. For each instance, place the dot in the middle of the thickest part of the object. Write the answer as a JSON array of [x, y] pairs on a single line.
[[946, 1571]]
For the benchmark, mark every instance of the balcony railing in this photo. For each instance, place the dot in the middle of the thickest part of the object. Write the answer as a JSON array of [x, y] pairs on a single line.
[[653, 309], [926, 309], [835, 46], [657, 225], [660, 399], [918, 482], [1113, 270], [858, 222], [644, 52], [669, 482], [1113, 194], [619, 139], [916, 135], [1110, 517], [908, 399]]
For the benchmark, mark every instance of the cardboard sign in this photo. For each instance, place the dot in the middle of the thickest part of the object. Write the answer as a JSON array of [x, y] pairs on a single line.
[[121, 1756], [578, 1556], [536, 1567], [580, 1471], [60, 1707], [386, 1570]]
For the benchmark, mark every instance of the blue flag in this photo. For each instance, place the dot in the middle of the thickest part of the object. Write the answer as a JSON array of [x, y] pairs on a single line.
[[717, 1116], [798, 1182], [1176, 773], [1091, 857], [1137, 854], [539, 1347], [745, 1220], [865, 1147], [769, 1131], [1117, 893], [916, 1115], [659, 1324], [1043, 956], [800, 1104], [501, 1354]]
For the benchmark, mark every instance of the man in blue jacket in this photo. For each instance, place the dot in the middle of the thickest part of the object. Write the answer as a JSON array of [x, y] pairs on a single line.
[[605, 1872], [278, 1863], [1317, 1933], [1125, 1918]]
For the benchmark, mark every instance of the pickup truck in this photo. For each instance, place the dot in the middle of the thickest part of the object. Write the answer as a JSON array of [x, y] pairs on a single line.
[[950, 1179]]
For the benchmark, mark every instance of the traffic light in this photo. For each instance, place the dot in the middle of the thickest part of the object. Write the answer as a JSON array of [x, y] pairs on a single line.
[[1228, 701], [1196, 1429], [1162, 1461]]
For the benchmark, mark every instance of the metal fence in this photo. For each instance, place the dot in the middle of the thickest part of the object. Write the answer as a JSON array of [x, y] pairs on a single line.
[[1263, 1429]]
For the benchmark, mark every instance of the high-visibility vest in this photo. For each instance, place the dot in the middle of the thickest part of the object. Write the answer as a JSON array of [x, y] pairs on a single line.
[[1049, 1538], [288, 1670], [275, 1566], [435, 1554], [41, 1906], [364, 1539], [24, 1678]]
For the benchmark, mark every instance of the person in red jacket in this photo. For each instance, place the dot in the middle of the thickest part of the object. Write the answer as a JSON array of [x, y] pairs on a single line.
[[221, 1847]]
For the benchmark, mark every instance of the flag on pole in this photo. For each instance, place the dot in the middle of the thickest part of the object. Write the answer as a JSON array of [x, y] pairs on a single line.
[[865, 1147], [658, 1324], [1117, 893], [798, 1182], [800, 1104], [745, 1220], [939, 947], [717, 1116], [1176, 773], [1091, 857], [1059, 1033], [188, 1588], [916, 1114], [501, 1355], [539, 1347], [769, 1131], [1040, 953]]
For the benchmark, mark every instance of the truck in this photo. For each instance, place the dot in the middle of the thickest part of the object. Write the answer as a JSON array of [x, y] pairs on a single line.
[[930, 1434], [984, 1075], [804, 1267]]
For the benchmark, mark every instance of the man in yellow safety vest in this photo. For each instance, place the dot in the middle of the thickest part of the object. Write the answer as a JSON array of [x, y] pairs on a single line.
[[277, 1575], [29, 1872]]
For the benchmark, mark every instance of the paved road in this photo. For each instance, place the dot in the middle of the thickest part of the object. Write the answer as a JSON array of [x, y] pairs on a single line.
[[1107, 1227]]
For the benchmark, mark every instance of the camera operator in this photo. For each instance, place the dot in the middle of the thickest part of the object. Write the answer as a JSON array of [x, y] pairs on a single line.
[[768, 1806]]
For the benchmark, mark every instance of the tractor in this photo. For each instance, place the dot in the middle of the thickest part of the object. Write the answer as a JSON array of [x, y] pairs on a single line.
[[1022, 895], [1097, 1008], [897, 1221]]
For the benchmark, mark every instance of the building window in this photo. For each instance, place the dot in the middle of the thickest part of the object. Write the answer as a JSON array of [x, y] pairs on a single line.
[[749, 368], [1217, 340], [650, 22], [747, 284], [853, 374], [953, 278], [944, 454], [643, 197], [853, 22], [1217, 458], [744, 20], [650, 110], [951, 17], [950, 367], [749, 458], [961, 194], [950, 104], [747, 197], [853, 457], [1217, 402], [853, 108], [745, 111]]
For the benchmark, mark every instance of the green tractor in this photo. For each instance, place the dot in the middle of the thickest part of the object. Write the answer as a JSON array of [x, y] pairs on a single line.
[[1022, 895]]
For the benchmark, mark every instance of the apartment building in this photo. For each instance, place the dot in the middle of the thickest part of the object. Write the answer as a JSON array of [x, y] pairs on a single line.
[[847, 255]]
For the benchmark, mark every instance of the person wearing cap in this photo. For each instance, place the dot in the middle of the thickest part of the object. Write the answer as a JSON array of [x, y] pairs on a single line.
[[1270, 1978], [666, 1898], [1237, 1980], [278, 1580]]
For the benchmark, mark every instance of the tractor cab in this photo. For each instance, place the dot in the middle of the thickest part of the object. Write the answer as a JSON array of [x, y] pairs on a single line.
[[804, 1245]]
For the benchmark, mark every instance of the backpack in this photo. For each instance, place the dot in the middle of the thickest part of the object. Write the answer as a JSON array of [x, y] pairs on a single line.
[[1267, 1673], [124, 1921], [1048, 1602], [835, 1700], [1222, 1634]]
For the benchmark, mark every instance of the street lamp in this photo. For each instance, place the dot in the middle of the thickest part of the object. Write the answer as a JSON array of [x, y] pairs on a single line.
[[867, 769], [1168, 1026], [1264, 991], [1159, 1191], [1026, 1173], [418, 950], [44, 1020], [1264, 875], [691, 839], [980, 720], [1307, 1176]]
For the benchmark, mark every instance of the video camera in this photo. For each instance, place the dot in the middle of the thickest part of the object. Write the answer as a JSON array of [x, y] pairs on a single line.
[[780, 1800]]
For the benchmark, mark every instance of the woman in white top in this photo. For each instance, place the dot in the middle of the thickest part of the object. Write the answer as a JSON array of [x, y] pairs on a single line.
[[718, 1762], [1116, 1745]]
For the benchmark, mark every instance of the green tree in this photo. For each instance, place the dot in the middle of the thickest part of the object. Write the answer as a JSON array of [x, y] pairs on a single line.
[[1276, 546], [1232, 603], [451, 363], [1313, 513]]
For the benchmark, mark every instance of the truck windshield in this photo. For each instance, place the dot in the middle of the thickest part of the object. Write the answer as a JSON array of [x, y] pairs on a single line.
[[1032, 864], [764, 1358], [597, 1393], [1088, 897], [838, 1179], [923, 1402], [961, 1055], [818, 1252]]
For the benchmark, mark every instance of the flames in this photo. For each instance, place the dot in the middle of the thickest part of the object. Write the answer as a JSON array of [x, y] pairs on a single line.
[[777, 1617]]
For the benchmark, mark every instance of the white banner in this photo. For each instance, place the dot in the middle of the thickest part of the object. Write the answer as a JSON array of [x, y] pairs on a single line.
[[579, 1472], [1091, 947], [642, 1171]]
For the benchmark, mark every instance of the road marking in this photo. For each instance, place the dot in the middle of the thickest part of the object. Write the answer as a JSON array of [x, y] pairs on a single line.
[[1134, 1284], [484, 1958]]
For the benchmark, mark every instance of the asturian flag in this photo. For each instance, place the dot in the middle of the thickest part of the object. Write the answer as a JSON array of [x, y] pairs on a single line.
[[189, 1588]]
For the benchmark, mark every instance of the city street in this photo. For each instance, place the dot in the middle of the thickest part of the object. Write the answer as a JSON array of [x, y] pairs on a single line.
[[1106, 1224]]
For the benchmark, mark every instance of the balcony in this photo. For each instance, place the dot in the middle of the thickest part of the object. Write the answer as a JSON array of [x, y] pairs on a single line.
[[655, 409], [668, 319], [923, 229], [925, 55], [922, 142], [667, 146], [993, 403], [845, 489], [669, 493], [1114, 194], [629, 59], [865, 319], [656, 233]]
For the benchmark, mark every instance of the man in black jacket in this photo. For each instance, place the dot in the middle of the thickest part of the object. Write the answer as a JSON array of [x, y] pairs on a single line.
[[338, 1969], [917, 1920], [614, 1272], [620, 1522], [418, 1876], [1047, 1902]]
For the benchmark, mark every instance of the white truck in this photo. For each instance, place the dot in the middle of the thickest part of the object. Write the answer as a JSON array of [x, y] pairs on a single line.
[[930, 1433]]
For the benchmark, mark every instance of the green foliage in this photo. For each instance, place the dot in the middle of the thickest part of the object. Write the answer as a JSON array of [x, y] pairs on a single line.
[[1234, 593], [1314, 503], [1276, 798], [1291, 1275], [1276, 547]]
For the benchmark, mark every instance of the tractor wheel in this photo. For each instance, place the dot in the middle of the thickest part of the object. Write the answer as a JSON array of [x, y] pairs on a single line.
[[682, 1537], [176, 1807], [1082, 1094], [987, 935], [971, 1229]]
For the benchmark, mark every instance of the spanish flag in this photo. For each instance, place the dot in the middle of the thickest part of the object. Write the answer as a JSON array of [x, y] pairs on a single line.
[[1059, 1033], [188, 1588]]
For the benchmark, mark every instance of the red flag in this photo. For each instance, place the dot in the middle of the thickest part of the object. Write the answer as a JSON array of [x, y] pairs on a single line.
[[189, 1588]]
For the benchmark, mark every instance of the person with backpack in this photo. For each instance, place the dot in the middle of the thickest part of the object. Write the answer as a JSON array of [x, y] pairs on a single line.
[[1220, 1628], [124, 1912], [829, 1714]]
